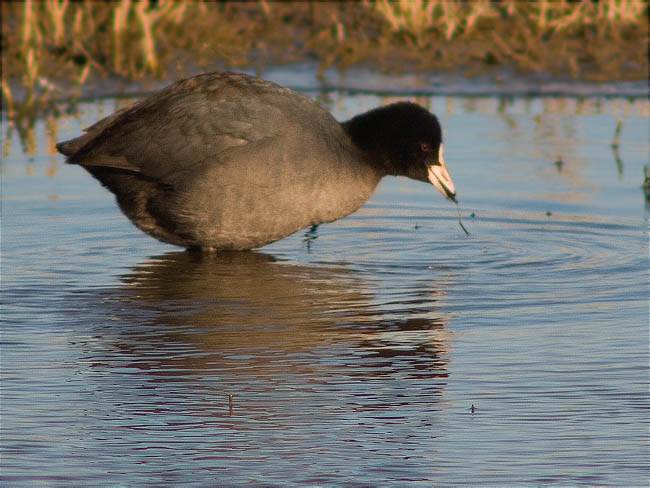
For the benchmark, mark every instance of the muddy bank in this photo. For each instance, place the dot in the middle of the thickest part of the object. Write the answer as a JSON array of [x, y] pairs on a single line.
[[56, 49]]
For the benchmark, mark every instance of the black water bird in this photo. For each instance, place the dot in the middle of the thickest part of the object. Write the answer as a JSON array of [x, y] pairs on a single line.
[[229, 161]]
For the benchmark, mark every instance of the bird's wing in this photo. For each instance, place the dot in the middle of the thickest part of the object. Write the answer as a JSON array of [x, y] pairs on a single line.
[[189, 124]]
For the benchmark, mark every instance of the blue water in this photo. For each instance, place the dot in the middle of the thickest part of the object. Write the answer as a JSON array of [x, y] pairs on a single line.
[[355, 359]]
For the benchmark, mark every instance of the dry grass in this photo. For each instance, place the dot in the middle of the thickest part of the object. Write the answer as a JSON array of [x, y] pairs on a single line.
[[590, 40], [56, 46]]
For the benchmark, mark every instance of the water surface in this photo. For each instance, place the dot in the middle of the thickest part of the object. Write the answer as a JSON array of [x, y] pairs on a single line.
[[353, 355]]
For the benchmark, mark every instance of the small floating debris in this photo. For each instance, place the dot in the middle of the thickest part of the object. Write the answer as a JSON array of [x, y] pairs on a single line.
[[473, 215], [548, 213], [619, 125], [559, 163], [416, 227]]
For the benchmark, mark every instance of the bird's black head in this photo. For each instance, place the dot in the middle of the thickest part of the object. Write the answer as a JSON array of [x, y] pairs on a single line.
[[403, 139]]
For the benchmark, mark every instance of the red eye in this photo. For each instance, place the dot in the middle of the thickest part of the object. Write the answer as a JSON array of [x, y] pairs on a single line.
[[425, 147]]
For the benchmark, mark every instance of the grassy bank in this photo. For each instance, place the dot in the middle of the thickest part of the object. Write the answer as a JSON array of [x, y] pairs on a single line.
[[52, 44]]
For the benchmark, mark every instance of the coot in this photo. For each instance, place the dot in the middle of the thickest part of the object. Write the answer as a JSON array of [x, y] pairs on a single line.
[[228, 161]]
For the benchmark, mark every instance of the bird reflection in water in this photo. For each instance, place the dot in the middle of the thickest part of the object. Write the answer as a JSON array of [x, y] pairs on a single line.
[[254, 316]]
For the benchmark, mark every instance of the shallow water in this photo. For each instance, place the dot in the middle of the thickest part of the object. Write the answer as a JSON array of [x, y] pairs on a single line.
[[353, 355]]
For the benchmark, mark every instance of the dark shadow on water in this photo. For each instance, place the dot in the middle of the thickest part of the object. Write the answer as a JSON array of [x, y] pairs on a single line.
[[247, 312]]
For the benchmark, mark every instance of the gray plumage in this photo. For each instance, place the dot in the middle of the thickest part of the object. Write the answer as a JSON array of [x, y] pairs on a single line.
[[229, 161]]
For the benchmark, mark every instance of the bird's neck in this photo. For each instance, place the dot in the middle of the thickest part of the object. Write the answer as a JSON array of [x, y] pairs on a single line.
[[369, 133]]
